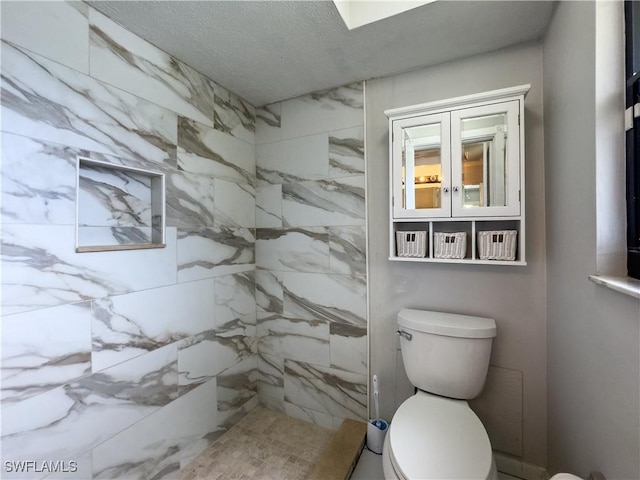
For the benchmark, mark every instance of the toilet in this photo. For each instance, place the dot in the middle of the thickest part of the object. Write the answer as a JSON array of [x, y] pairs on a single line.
[[434, 434]]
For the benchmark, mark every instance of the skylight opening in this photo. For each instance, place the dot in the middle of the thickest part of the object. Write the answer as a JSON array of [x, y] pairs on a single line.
[[356, 13]]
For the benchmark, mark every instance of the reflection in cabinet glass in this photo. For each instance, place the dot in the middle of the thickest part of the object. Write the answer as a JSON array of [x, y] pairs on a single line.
[[458, 160]]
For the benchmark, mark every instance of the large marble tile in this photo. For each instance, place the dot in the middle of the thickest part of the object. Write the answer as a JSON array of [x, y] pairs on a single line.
[[324, 202], [111, 236], [38, 181], [327, 390], [293, 249], [294, 160], [113, 198], [44, 349], [69, 420], [154, 447], [190, 200], [45, 100], [269, 292], [269, 206], [234, 116], [211, 252], [349, 348], [335, 298], [308, 415], [123, 59], [126, 326], [235, 297], [41, 269], [348, 250], [346, 152], [323, 111], [207, 151], [268, 124], [295, 339], [270, 378], [235, 204], [56, 30], [237, 388], [203, 356]]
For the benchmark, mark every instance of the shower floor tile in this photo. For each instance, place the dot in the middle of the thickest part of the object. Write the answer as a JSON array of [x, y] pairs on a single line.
[[263, 445]]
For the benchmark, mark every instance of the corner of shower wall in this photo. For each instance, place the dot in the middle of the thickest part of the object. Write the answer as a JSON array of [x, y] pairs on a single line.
[[311, 278]]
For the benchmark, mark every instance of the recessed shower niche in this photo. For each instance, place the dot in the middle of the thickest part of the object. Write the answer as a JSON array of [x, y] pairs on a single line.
[[118, 207]]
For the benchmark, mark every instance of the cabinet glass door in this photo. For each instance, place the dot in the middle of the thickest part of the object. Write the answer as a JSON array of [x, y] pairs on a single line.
[[421, 166], [485, 160]]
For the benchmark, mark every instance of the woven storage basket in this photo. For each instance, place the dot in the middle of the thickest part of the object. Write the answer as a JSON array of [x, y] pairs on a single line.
[[449, 245], [411, 244], [497, 244]]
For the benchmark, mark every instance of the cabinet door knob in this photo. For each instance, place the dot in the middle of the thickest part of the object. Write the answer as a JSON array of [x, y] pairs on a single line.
[[456, 189], [445, 189]]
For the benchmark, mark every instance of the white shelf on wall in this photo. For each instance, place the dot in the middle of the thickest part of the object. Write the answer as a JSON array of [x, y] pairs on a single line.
[[453, 138]]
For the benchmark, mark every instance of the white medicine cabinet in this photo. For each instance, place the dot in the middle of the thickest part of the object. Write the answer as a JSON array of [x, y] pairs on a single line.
[[457, 174]]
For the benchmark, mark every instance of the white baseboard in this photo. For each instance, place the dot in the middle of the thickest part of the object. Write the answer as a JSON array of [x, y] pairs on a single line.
[[517, 468]]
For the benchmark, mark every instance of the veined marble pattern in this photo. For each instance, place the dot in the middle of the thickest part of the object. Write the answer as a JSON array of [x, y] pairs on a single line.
[[269, 291], [44, 100], [126, 326], [28, 194], [91, 236], [348, 348], [270, 377], [335, 298], [269, 206], [235, 297], [109, 197], [209, 252], [336, 392], [323, 111], [64, 25], [324, 202], [348, 250], [205, 150], [346, 152], [295, 160], [122, 59], [190, 200], [40, 268], [234, 116], [236, 388], [235, 204], [203, 356], [44, 349], [312, 416], [156, 446], [69, 420], [295, 339], [293, 249], [268, 121]]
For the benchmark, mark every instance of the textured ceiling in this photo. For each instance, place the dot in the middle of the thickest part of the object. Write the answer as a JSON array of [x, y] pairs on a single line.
[[266, 51]]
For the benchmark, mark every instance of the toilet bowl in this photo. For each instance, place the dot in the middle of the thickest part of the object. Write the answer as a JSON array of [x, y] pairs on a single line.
[[434, 434], [439, 438]]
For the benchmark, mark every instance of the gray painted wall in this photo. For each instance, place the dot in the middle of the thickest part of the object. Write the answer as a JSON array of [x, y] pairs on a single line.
[[514, 296], [592, 332]]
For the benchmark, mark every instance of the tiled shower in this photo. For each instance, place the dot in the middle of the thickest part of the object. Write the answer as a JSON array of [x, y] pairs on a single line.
[[131, 362]]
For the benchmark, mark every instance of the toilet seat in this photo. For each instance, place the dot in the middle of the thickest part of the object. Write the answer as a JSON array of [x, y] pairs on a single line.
[[439, 438]]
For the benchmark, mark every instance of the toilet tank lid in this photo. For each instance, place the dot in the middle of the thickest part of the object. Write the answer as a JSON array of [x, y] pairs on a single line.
[[448, 324]]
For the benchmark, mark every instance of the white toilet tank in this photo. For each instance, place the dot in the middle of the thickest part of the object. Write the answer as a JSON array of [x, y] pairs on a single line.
[[445, 353]]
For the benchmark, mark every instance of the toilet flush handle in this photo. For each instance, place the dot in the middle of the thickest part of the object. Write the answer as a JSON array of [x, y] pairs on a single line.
[[402, 333]]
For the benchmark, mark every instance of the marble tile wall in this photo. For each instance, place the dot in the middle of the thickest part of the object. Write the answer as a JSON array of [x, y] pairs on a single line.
[[128, 363], [311, 284]]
